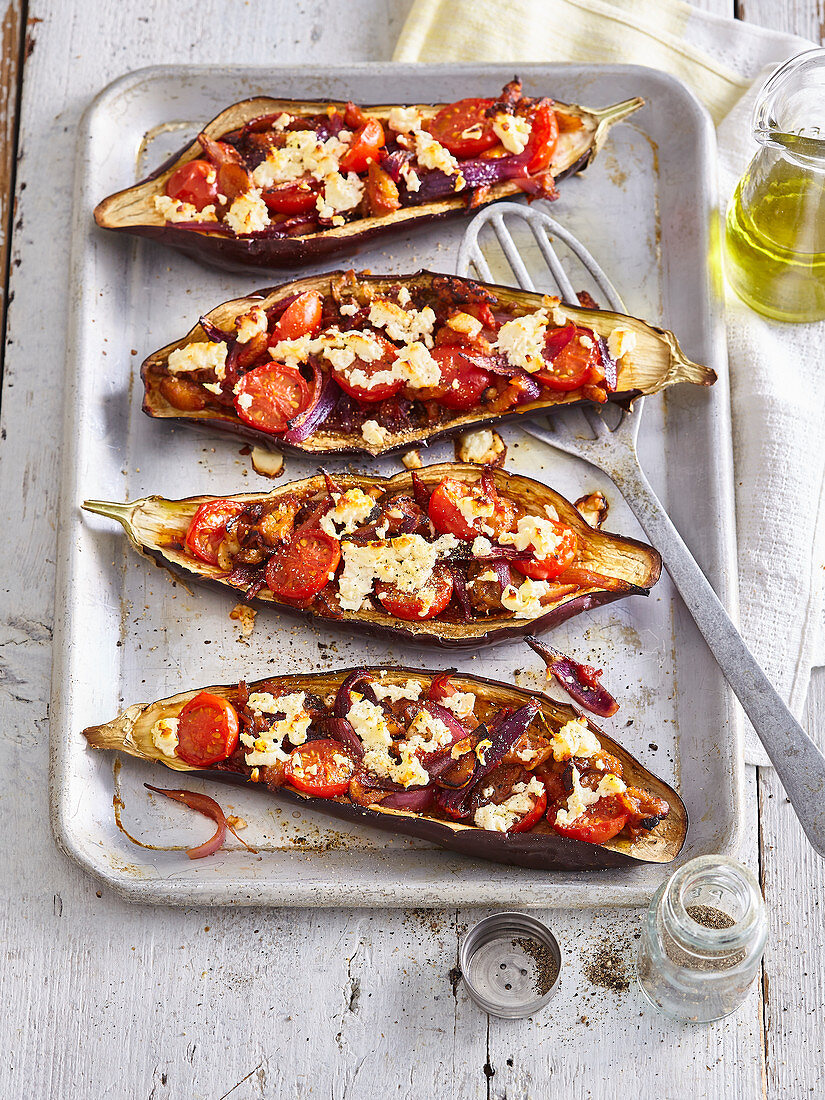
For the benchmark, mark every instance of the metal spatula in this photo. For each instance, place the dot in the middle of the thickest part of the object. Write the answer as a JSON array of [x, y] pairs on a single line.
[[798, 762]]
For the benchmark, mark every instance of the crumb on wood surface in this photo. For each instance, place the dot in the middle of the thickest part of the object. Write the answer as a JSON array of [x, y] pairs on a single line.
[[244, 615]]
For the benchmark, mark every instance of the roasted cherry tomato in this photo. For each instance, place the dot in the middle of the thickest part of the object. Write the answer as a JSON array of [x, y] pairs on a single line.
[[532, 816], [269, 396], [598, 824], [321, 768], [573, 365], [195, 183], [544, 135], [295, 198], [380, 390], [448, 518], [208, 528], [304, 566], [463, 127], [546, 569], [426, 603], [207, 730], [365, 146], [462, 382], [301, 317]]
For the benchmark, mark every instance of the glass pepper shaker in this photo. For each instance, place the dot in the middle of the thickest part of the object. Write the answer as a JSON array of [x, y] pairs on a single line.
[[702, 940], [775, 229]]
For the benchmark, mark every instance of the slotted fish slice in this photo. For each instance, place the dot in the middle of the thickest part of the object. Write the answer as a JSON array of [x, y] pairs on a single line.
[[612, 448]]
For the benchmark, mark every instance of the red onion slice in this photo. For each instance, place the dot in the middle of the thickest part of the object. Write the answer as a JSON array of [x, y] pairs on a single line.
[[578, 680], [215, 334], [305, 423], [210, 808], [421, 493], [415, 801]]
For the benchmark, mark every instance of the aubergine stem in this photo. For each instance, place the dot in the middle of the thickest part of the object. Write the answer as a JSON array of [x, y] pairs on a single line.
[[617, 112], [111, 509]]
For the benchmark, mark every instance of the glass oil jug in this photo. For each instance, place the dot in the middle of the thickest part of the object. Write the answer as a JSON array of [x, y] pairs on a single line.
[[775, 232]]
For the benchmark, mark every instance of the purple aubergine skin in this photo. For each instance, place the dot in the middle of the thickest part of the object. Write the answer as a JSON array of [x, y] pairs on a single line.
[[546, 851], [431, 632]]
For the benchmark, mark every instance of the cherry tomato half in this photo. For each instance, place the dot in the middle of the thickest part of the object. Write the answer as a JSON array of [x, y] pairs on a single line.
[[546, 569], [278, 393], [445, 510], [195, 183], [462, 382], [321, 768], [365, 146], [544, 135], [301, 317], [304, 566], [532, 816], [295, 198], [208, 528], [598, 824], [426, 603], [207, 730], [379, 391], [463, 127], [572, 366]]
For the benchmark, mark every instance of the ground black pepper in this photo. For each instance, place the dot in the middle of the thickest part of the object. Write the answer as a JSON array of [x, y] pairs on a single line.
[[547, 966]]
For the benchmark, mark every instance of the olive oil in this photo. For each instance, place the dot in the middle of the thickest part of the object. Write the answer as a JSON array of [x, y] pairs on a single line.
[[775, 240]]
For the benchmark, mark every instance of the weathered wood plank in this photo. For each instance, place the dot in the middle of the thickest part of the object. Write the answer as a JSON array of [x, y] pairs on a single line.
[[802, 17], [12, 49]]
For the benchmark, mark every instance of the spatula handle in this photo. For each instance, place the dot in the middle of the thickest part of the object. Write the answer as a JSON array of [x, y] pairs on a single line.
[[798, 762]]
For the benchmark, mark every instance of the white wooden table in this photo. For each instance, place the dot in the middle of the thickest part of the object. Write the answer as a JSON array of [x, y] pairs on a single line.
[[105, 999]]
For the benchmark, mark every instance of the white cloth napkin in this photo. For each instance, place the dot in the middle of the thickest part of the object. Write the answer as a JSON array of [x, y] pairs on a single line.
[[777, 370]]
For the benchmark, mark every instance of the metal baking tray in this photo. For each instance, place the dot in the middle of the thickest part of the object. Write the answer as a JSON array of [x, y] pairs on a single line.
[[126, 633]]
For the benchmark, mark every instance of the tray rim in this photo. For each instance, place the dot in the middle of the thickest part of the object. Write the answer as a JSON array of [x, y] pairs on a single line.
[[387, 893]]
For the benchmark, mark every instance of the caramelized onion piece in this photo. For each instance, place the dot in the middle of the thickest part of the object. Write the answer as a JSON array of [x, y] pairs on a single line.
[[578, 680], [210, 808]]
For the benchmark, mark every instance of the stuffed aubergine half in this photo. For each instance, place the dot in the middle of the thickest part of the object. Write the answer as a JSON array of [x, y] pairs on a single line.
[[472, 765], [455, 554], [281, 182], [341, 363]]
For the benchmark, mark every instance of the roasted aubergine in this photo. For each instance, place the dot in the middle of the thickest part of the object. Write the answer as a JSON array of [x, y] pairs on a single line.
[[472, 765], [454, 555]]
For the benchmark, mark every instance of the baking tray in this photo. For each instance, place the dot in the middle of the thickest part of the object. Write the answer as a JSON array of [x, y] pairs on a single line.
[[126, 633]]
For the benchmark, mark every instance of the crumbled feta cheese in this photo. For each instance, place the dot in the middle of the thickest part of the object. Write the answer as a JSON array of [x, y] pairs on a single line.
[[412, 460], [582, 797], [525, 601], [165, 735], [416, 366], [466, 324], [431, 154], [461, 703], [472, 509], [292, 352], [481, 547], [522, 340], [574, 739], [585, 341], [513, 131], [201, 356], [559, 317], [248, 213], [404, 120], [348, 309], [213, 387], [406, 561], [481, 447], [410, 689], [302, 154], [373, 433], [536, 534], [621, 342], [173, 210], [502, 817], [403, 325], [487, 575], [411, 178], [350, 511], [404, 297], [340, 194], [268, 746], [244, 401], [251, 324]]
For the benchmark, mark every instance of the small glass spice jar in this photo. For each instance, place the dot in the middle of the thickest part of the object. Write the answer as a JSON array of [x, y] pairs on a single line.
[[703, 939]]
